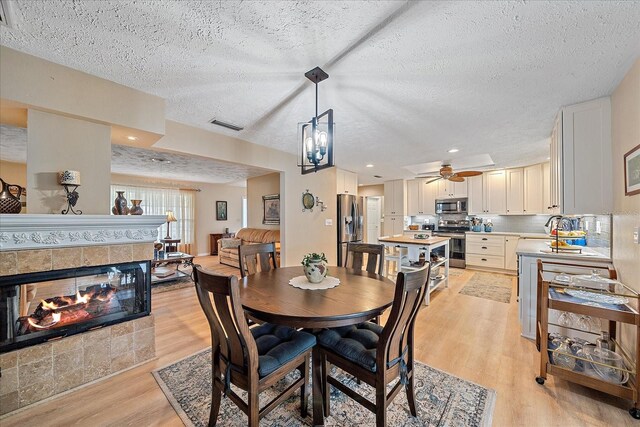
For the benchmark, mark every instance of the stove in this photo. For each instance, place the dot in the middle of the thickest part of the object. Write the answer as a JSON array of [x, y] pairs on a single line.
[[455, 229]]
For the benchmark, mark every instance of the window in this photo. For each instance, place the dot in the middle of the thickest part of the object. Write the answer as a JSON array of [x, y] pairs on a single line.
[[157, 201], [244, 212]]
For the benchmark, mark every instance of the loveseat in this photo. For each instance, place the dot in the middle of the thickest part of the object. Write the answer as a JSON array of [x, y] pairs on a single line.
[[228, 247]]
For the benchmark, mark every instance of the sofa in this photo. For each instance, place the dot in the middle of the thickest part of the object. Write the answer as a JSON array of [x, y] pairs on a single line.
[[228, 247]]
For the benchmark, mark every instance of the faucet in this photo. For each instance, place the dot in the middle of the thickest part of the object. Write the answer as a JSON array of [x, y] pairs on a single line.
[[551, 218]]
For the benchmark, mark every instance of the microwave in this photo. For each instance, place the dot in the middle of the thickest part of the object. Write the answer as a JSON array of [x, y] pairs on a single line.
[[451, 206]]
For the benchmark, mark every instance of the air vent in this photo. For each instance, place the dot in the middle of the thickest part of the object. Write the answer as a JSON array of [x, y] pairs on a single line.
[[226, 125], [4, 13], [377, 176]]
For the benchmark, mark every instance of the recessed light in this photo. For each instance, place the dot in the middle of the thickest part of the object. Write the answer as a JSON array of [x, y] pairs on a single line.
[[369, 165], [159, 160], [132, 138], [453, 150], [548, 158]]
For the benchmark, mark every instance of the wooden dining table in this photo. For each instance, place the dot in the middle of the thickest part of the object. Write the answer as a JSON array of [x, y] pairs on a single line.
[[359, 297]]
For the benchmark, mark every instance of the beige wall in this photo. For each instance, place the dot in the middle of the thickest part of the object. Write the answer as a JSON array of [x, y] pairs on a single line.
[[625, 130], [56, 143], [256, 188], [47, 86], [14, 173], [205, 220], [371, 190]]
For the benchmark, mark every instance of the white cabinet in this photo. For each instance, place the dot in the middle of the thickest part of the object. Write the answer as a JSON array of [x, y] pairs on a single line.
[[515, 191], [586, 158], [485, 251], [395, 197], [555, 169], [347, 182], [476, 195], [533, 190], [421, 197], [451, 190], [510, 256], [393, 224], [495, 192], [546, 188]]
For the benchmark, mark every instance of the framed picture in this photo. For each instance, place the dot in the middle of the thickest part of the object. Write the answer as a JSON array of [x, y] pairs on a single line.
[[632, 172], [221, 211], [271, 205]]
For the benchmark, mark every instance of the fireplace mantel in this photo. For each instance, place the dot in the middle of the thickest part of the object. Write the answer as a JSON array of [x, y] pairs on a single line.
[[18, 232]]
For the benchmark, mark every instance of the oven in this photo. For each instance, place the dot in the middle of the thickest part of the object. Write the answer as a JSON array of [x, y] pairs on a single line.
[[451, 206], [456, 248]]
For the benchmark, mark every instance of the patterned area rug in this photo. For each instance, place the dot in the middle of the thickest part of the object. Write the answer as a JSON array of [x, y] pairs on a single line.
[[442, 399], [496, 287]]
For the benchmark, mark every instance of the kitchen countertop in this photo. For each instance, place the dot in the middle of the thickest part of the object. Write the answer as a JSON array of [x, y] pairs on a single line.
[[513, 233], [533, 247], [412, 241], [417, 231]]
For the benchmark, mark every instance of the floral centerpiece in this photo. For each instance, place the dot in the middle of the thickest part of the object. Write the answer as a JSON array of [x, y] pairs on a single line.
[[315, 267]]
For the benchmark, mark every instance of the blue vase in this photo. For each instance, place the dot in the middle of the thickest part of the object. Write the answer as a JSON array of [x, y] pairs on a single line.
[[487, 228]]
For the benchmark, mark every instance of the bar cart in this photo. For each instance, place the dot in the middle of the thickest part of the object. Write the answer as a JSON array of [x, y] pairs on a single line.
[[607, 367]]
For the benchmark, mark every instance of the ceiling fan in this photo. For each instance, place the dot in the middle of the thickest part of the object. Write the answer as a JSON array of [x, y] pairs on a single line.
[[446, 172]]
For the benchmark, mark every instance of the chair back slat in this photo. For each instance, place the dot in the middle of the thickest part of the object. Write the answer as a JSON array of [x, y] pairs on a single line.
[[397, 333], [257, 257], [355, 257], [230, 334]]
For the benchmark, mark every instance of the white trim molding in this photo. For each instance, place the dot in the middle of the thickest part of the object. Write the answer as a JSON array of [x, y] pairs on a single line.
[[18, 232]]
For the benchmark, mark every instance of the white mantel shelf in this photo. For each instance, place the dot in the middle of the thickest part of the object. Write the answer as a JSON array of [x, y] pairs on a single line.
[[18, 232]]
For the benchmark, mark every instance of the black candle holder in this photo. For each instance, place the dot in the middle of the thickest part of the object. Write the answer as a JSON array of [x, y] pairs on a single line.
[[72, 199]]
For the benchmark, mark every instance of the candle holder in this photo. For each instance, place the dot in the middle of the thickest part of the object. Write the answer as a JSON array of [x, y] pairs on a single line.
[[72, 199]]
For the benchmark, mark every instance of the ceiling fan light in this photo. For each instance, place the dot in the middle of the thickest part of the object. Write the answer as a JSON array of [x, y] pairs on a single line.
[[453, 150]]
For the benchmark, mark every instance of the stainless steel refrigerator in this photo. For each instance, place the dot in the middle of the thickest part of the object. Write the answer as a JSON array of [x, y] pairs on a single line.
[[350, 223]]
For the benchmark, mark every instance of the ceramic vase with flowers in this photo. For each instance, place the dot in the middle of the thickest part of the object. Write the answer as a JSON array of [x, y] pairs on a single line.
[[315, 267]]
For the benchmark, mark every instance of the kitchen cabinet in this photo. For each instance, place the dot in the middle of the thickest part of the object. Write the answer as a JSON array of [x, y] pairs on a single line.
[[421, 197], [393, 224], [451, 190], [510, 256], [515, 191], [495, 192], [485, 251], [533, 190], [395, 197], [546, 188], [347, 182], [581, 163], [475, 204]]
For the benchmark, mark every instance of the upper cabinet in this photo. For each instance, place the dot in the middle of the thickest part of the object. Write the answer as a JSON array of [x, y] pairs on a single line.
[[476, 194], [395, 197], [515, 191], [451, 190], [534, 190], [495, 192], [546, 188], [581, 164], [347, 182], [421, 197]]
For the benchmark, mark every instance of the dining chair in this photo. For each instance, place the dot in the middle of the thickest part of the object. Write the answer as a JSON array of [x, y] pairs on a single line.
[[254, 256], [375, 260], [251, 359], [377, 355]]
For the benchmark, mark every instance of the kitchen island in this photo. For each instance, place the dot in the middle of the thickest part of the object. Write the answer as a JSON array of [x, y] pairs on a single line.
[[414, 247], [529, 252]]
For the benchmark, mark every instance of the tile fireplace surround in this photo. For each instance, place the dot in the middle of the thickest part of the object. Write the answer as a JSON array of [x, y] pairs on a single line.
[[37, 243]]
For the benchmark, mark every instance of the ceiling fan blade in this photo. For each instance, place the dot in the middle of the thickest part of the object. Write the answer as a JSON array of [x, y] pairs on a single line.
[[434, 179], [466, 174], [455, 178]]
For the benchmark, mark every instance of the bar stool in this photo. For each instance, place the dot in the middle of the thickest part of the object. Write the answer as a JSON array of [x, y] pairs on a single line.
[[394, 254]]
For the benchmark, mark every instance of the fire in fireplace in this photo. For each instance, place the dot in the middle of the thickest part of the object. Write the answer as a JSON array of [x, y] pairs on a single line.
[[41, 306]]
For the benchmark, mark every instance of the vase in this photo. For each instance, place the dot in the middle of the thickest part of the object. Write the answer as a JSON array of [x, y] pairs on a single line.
[[316, 271], [8, 202], [120, 204], [135, 207]]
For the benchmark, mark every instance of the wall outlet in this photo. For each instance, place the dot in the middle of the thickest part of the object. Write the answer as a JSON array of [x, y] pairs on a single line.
[[328, 222]]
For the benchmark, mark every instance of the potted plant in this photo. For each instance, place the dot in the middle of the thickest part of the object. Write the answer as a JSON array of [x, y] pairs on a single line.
[[315, 267]]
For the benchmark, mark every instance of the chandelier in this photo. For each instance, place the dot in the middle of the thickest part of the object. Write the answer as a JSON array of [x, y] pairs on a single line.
[[316, 135]]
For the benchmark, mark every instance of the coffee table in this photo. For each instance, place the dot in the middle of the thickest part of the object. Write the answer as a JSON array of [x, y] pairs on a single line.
[[167, 262]]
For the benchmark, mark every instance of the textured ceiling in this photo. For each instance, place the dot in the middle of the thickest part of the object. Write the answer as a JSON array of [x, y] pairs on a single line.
[[407, 80], [138, 162]]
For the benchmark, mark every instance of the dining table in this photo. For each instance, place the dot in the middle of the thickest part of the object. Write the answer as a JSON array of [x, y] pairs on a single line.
[[360, 296]]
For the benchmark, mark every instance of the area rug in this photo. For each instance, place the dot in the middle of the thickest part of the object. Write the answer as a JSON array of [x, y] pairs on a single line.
[[442, 399], [496, 287]]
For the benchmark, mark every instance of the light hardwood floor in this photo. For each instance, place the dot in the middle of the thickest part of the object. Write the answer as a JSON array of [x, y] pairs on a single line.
[[473, 338]]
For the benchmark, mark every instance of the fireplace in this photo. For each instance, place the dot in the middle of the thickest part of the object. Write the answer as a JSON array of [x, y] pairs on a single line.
[[44, 306]]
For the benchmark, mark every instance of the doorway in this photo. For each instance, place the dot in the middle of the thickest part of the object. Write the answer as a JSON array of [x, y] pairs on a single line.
[[374, 218]]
